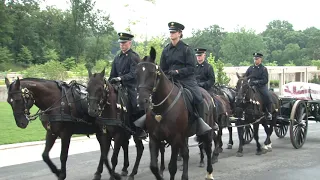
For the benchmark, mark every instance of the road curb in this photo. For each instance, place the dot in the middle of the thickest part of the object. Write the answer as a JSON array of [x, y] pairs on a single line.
[[35, 143]]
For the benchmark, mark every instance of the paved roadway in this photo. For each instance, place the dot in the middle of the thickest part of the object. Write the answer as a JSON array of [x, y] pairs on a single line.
[[283, 163]]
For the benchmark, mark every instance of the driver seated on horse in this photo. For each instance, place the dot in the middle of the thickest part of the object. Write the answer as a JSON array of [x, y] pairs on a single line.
[[123, 70], [258, 76], [178, 61]]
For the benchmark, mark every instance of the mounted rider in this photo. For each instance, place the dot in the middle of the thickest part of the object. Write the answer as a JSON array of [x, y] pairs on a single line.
[[178, 61], [258, 77], [123, 70], [204, 71]]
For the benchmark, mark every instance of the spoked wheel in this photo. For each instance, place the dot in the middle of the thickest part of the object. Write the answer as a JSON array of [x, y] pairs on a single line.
[[299, 124], [248, 134], [281, 130]]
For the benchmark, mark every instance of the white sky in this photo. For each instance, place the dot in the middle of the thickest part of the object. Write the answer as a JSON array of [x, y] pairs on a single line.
[[198, 14]]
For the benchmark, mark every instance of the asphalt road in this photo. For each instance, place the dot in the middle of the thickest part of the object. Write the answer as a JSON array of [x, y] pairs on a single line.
[[283, 163]]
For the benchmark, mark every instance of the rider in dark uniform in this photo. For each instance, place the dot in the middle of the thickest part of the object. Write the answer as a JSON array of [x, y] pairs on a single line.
[[178, 61], [259, 78], [123, 70], [204, 71]]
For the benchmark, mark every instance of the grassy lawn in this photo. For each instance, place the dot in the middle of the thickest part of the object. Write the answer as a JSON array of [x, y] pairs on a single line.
[[10, 133]]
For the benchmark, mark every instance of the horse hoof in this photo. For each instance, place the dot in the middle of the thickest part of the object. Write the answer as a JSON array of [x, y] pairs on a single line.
[[201, 164], [214, 159], [97, 177], [239, 154], [130, 178], [124, 173], [269, 149], [220, 150], [116, 176], [229, 146], [259, 153]]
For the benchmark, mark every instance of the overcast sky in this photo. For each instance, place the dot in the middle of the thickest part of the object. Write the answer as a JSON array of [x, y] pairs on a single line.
[[198, 14]]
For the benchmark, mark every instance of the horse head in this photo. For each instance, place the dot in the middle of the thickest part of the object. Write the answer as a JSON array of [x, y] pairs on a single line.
[[98, 92], [148, 77], [242, 93], [24, 93]]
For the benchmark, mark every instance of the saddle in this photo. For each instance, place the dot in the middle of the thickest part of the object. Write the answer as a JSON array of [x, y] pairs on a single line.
[[188, 99], [79, 95]]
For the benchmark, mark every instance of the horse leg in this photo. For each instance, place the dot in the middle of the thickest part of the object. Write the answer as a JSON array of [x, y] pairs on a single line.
[[201, 164], [125, 148], [207, 142], [185, 155], [230, 144], [106, 142], [256, 137], [154, 152], [215, 153], [65, 142], [140, 149], [267, 143], [173, 161], [179, 156], [220, 149], [50, 139], [240, 136], [162, 150], [117, 145], [97, 174]]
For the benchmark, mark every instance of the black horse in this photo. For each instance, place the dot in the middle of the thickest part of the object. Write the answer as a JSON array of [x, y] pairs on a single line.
[[108, 103], [167, 117], [250, 102], [63, 112], [227, 98]]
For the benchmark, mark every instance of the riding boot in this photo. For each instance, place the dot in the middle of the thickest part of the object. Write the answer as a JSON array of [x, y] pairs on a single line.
[[202, 126], [269, 110], [140, 123]]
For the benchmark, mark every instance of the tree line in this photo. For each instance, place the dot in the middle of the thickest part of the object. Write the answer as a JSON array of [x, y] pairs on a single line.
[[83, 38]]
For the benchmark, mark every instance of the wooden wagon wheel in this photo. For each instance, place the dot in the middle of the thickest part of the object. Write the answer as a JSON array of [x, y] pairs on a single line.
[[281, 130], [299, 124], [247, 134]]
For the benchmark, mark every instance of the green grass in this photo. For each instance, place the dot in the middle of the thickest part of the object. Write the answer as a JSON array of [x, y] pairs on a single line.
[[10, 133]]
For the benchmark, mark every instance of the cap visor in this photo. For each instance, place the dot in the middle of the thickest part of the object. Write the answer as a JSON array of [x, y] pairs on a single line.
[[122, 41]]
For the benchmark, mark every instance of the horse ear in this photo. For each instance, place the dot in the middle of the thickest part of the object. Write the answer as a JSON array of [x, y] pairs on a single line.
[[17, 84], [90, 73], [238, 75], [7, 82], [103, 72], [153, 54]]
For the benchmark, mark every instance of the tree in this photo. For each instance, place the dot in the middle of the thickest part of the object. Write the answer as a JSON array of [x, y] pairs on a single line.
[[239, 46], [156, 42], [25, 56], [218, 66], [5, 55]]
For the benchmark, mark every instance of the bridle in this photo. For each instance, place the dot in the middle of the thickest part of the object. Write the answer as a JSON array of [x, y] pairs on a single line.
[[26, 96], [155, 85], [102, 101], [158, 116]]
